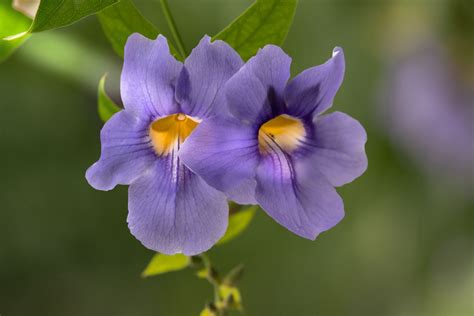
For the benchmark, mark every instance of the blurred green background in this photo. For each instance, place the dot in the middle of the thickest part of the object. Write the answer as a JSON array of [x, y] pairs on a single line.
[[405, 246]]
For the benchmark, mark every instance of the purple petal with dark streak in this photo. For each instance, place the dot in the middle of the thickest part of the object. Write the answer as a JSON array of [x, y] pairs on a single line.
[[255, 92], [297, 196], [313, 90], [172, 210]]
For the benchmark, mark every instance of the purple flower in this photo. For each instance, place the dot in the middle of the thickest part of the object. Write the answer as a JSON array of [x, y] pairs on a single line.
[[275, 149], [171, 209], [428, 108]]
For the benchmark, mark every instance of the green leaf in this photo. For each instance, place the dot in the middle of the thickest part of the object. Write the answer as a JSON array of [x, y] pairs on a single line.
[[11, 22], [51, 14], [238, 222], [120, 20], [57, 13], [161, 263], [106, 107], [264, 22]]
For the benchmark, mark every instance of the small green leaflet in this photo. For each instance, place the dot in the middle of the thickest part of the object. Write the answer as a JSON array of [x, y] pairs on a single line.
[[238, 222], [106, 107], [264, 22], [122, 19], [11, 22], [57, 13], [161, 263]]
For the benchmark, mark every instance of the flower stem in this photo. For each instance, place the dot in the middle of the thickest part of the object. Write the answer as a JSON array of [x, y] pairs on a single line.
[[211, 279], [174, 30]]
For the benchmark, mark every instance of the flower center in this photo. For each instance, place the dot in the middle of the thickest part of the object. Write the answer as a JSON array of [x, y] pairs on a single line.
[[283, 133], [170, 131]]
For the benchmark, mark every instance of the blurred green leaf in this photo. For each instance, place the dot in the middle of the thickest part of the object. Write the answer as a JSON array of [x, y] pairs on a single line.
[[202, 273], [161, 263], [264, 22], [57, 13], [11, 22], [122, 19], [238, 222], [106, 107], [51, 14]]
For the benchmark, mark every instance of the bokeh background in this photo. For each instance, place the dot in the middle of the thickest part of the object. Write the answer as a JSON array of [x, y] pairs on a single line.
[[405, 246]]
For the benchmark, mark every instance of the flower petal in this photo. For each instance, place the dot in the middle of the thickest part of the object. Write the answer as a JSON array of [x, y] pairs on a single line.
[[313, 90], [254, 93], [224, 152], [205, 71], [243, 193], [297, 196], [172, 210], [148, 77], [338, 148], [126, 152]]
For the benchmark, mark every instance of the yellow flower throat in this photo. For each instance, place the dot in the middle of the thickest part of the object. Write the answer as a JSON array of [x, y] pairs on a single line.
[[283, 133], [170, 131]]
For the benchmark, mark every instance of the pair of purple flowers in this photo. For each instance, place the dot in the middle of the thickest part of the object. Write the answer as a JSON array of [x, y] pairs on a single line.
[[193, 135]]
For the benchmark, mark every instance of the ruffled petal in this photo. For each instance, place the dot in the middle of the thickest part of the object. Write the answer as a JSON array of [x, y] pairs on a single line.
[[313, 90], [205, 71], [255, 92], [224, 152], [297, 196], [338, 148], [148, 77], [126, 152], [172, 210]]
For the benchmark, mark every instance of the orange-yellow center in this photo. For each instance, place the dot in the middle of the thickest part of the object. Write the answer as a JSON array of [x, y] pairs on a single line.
[[170, 131], [283, 133]]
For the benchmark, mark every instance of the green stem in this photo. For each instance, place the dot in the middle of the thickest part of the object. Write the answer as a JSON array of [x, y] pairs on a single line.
[[213, 281], [173, 28]]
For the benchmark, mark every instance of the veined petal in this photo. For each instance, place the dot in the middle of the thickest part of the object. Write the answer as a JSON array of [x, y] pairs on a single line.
[[255, 92], [205, 71], [148, 77], [338, 148], [313, 90], [243, 193], [126, 152], [224, 152], [172, 210], [297, 196]]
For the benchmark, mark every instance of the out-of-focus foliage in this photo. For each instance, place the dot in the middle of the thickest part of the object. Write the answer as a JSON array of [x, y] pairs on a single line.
[[161, 263], [11, 22], [265, 22], [51, 14], [106, 107]]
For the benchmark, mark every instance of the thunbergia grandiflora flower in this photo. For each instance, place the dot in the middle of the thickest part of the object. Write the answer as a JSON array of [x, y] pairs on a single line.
[[273, 147], [171, 209]]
